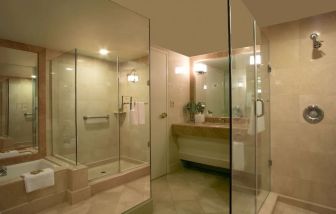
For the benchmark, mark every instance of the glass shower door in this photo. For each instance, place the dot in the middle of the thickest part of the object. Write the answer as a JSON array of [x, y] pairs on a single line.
[[263, 137], [250, 113], [243, 113]]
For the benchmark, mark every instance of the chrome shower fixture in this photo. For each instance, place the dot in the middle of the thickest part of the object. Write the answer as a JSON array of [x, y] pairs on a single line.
[[316, 42]]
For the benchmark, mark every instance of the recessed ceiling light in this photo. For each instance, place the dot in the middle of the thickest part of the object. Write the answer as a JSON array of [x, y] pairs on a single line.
[[104, 51], [69, 69]]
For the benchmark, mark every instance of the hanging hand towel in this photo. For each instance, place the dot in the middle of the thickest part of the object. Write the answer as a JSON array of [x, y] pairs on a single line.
[[140, 106], [133, 117]]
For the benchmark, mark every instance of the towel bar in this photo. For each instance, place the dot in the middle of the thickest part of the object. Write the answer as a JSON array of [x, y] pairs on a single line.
[[96, 117]]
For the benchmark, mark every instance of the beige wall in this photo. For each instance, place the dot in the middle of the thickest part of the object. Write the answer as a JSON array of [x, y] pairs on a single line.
[[304, 163], [178, 97]]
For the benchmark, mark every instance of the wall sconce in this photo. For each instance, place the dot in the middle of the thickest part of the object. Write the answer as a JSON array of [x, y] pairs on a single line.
[[133, 76], [181, 70], [200, 68], [258, 59]]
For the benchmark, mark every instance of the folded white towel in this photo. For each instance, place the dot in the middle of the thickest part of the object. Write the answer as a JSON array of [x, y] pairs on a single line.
[[41, 180], [9, 154]]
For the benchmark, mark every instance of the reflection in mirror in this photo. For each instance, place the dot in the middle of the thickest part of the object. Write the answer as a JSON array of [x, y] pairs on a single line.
[[212, 82], [210, 85], [18, 102]]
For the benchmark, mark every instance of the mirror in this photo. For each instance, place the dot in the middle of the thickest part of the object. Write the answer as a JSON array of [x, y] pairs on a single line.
[[19, 101], [210, 82]]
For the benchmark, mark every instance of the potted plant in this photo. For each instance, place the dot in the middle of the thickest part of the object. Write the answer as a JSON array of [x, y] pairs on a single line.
[[196, 111]]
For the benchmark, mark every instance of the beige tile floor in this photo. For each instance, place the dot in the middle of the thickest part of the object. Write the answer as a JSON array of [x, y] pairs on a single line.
[[112, 201], [187, 191], [191, 191], [243, 202], [283, 208]]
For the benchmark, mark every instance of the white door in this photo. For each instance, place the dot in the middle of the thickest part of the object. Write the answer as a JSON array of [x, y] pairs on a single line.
[[158, 82]]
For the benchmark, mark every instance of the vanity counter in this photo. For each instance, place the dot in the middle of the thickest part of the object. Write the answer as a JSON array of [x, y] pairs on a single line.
[[208, 130]]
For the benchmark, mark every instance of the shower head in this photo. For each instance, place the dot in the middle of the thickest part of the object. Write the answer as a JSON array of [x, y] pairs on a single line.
[[316, 43]]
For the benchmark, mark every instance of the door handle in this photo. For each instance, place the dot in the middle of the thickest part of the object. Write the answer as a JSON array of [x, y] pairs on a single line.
[[262, 107], [163, 115]]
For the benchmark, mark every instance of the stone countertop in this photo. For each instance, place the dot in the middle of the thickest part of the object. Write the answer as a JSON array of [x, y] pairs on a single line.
[[208, 130]]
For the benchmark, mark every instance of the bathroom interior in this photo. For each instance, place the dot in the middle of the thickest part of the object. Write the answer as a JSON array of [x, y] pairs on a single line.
[[99, 116]]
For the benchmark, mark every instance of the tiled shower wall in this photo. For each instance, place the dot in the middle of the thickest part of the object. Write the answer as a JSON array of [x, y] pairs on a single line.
[[97, 87], [134, 138], [97, 95], [304, 163]]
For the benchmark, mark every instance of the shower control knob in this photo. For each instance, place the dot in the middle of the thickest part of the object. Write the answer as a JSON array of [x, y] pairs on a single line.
[[163, 115]]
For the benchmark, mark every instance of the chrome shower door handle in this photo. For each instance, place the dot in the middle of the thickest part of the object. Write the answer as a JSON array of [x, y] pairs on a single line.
[[163, 115], [262, 107]]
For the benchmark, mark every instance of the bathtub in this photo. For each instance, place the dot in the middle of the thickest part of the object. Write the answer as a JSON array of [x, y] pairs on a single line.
[[15, 199], [16, 170]]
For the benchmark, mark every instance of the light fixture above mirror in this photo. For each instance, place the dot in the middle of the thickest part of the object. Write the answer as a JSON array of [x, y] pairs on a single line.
[[200, 68]]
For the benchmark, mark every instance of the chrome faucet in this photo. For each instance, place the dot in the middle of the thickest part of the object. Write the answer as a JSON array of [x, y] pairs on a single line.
[[3, 171]]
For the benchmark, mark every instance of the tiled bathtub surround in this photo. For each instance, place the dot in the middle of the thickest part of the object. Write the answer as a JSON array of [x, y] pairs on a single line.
[[14, 199], [304, 164], [72, 186]]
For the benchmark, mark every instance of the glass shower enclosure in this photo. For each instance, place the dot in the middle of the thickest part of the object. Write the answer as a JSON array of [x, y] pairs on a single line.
[[93, 101]]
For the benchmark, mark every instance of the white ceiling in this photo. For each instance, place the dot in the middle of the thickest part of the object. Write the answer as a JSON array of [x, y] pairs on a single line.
[[270, 12], [190, 27], [84, 24], [194, 27]]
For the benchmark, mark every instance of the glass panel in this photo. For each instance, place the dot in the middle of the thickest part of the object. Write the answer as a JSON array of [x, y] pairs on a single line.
[[97, 123], [134, 105], [63, 106], [243, 90], [263, 121]]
